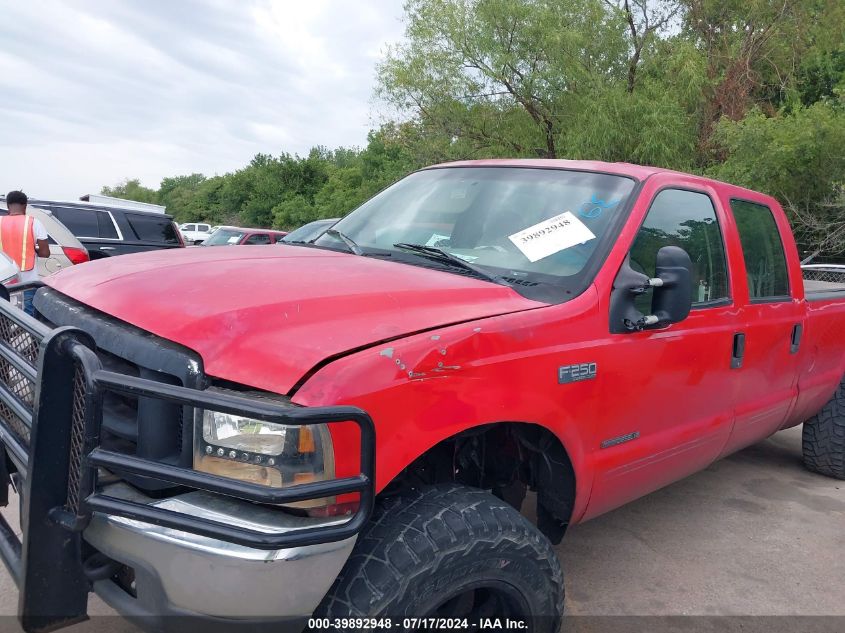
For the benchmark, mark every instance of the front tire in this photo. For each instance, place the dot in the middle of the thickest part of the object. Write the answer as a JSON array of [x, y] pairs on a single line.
[[824, 437], [449, 551]]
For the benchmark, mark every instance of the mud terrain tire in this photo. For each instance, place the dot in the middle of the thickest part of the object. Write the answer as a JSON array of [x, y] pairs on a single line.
[[449, 551], [824, 437]]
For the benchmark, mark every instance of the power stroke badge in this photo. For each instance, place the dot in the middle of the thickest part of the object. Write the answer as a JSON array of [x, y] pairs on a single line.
[[576, 373]]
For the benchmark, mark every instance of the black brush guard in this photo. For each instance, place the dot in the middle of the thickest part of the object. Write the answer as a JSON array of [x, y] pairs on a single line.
[[51, 393]]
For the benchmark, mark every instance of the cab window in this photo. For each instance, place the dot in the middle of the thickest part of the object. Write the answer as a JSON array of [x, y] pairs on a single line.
[[686, 219], [762, 249]]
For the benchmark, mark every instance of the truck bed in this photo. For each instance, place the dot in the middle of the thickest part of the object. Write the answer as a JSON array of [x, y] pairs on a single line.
[[823, 281]]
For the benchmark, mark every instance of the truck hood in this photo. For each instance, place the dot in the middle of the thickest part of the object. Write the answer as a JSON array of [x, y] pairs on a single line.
[[264, 316]]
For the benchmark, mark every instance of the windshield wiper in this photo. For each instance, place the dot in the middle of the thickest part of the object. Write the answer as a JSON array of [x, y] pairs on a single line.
[[346, 240], [446, 257]]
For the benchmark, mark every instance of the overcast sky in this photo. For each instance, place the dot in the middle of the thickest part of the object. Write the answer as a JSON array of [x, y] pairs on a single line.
[[98, 91]]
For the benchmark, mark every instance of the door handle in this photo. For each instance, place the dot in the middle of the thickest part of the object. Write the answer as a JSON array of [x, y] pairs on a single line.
[[107, 248], [795, 340], [738, 352]]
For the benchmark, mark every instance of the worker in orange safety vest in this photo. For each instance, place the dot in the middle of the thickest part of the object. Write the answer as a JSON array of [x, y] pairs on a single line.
[[22, 238]]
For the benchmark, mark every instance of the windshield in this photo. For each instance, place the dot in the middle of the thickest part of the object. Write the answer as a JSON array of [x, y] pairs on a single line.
[[530, 226], [221, 237], [309, 231]]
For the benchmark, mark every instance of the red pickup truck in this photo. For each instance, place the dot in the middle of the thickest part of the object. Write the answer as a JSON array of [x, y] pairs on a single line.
[[342, 434]]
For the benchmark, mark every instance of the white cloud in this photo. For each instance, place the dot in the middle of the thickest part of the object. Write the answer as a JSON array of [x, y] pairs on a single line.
[[96, 91]]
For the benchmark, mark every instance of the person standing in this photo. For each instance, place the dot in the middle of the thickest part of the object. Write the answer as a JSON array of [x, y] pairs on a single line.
[[23, 238]]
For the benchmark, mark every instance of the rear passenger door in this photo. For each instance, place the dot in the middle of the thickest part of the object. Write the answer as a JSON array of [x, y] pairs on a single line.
[[766, 367], [96, 229]]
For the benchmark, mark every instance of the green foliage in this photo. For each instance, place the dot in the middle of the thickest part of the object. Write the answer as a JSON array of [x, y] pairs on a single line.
[[798, 157], [502, 74], [648, 127], [822, 76], [286, 191], [131, 190], [750, 91]]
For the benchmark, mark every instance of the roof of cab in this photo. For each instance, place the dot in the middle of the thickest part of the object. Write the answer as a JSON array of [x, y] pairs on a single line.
[[639, 172]]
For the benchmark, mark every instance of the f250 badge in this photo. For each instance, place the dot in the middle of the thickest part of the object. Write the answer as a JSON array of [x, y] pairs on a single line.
[[576, 373]]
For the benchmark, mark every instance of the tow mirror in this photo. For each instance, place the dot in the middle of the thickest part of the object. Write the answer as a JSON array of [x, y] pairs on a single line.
[[627, 286], [673, 288], [672, 298]]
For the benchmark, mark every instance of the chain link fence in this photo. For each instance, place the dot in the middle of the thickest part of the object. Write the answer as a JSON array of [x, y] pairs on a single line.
[[828, 273]]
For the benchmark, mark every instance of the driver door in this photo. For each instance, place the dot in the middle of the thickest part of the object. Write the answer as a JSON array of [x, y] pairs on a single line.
[[668, 405]]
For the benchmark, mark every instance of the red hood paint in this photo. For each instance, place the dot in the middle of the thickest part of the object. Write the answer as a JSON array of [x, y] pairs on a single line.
[[264, 315]]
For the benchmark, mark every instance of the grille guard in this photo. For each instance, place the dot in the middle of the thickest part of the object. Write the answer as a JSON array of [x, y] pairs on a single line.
[[51, 394]]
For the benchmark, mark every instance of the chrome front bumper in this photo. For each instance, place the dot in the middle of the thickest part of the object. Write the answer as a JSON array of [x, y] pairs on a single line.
[[178, 573]]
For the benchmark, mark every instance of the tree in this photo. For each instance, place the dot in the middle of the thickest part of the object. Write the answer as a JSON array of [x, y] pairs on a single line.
[[752, 49], [796, 156], [179, 195], [748, 91], [131, 190], [502, 73], [645, 21]]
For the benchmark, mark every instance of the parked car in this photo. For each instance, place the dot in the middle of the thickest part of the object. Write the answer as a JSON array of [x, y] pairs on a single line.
[[107, 231], [308, 232], [195, 232], [65, 249], [234, 235], [9, 270], [344, 431]]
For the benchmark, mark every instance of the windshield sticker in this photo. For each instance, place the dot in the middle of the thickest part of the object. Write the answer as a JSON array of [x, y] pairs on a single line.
[[434, 239], [551, 236], [459, 193], [595, 206]]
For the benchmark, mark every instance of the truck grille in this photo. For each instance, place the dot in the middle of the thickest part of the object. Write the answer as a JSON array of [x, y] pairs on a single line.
[[77, 442], [133, 425], [25, 346]]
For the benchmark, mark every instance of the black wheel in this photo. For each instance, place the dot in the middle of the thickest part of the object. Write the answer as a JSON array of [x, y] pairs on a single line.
[[449, 551], [824, 437]]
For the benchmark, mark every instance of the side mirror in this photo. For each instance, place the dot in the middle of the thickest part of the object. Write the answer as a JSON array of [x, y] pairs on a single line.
[[627, 286], [672, 297], [673, 292]]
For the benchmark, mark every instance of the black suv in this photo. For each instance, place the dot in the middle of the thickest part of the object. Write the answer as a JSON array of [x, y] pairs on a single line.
[[107, 231]]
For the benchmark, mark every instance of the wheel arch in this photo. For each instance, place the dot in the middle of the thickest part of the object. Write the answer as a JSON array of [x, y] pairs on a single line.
[[509, 458]]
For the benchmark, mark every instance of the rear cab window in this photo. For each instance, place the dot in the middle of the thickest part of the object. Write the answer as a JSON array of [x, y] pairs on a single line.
[[151, 228], [762, 249]]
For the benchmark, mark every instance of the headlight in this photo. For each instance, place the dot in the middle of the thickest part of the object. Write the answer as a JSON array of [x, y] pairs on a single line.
[[264, 453]]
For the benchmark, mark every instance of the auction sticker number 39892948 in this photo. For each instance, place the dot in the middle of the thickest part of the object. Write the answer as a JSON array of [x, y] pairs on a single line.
[[550, 236]]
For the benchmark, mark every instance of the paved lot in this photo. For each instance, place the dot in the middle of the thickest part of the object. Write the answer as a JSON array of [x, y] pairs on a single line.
[[754, 534]]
